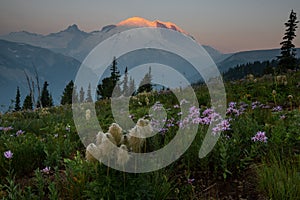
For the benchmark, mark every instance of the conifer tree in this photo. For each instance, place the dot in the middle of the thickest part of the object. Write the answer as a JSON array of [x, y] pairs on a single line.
[[89, 97], [27, 105], [108, 85], [125, 83], [17, 101], [145, 85], [46, 98], [67, 94], [287, 59], [81, 95]]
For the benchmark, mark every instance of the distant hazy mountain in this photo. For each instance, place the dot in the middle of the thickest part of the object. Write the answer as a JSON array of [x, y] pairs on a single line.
[[72, 45], [55, 68], [77, 43], [250, 57]]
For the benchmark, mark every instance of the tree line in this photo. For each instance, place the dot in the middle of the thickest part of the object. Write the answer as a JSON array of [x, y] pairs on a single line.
[[109, 86]]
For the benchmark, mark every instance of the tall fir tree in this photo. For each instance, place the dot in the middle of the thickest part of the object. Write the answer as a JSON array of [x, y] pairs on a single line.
[[81, 95], [287, 59], [18, 100], [125, 83], [108, 85], [89, 97], [67, 94], [75, 98], [46, 98], [115, 73], [131, 89], [146, 85], [27, 105]]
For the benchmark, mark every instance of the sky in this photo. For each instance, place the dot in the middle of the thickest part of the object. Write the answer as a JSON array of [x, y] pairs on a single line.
[[227, 25]]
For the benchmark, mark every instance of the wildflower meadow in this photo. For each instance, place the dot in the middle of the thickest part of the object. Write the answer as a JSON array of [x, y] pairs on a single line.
[[256, 155]]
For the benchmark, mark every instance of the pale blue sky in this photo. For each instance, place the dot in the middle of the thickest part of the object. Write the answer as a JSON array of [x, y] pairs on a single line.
[[227, 25]]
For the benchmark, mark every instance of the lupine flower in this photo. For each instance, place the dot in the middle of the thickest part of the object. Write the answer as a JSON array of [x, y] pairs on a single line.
[[163, 130], [256, 104], [46, 170], [191, 180], [176, 106], [277, 109], [180, 113], [157, 106], [232, 104], [183, 101], [8, 154], [260, 136], [5, 129], [282, 117], [20, 132]]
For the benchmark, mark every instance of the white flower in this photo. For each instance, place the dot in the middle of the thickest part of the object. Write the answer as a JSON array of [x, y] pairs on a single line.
[[88, 114], [122, 156]]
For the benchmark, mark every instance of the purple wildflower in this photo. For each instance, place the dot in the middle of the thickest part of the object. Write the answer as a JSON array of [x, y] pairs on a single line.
[[176, 106], [8, 154], [232, 104], [157, 106], [19, 132], [277, 109], [191, 180], [282, 117], [255, 105], [183, 101], [224, 125], [46, 170], [5, 129], [260, 136]]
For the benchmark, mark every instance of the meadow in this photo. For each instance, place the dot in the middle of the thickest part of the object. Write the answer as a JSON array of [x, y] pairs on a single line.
[[256, 157]]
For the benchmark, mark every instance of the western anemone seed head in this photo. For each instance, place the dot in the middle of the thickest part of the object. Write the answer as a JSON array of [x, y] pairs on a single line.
[[116, 131], [122, 156], [88, 114], [93, 153], [99, 137], [274, 92], [145, 128], [107, 145], [135, 142], [290, 96], [125, 140]]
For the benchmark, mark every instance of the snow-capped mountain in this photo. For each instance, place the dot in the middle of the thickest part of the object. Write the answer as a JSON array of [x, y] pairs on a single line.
[[76, 43]]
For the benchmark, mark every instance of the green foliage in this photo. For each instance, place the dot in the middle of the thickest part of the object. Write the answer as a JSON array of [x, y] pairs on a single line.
[[279, 177]]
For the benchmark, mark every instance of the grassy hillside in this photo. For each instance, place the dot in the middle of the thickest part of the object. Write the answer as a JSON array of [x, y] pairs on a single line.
[[256, 156]]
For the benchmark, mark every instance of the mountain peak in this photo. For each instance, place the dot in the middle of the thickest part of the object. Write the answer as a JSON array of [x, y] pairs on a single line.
[[73, 27], [141, 22]]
